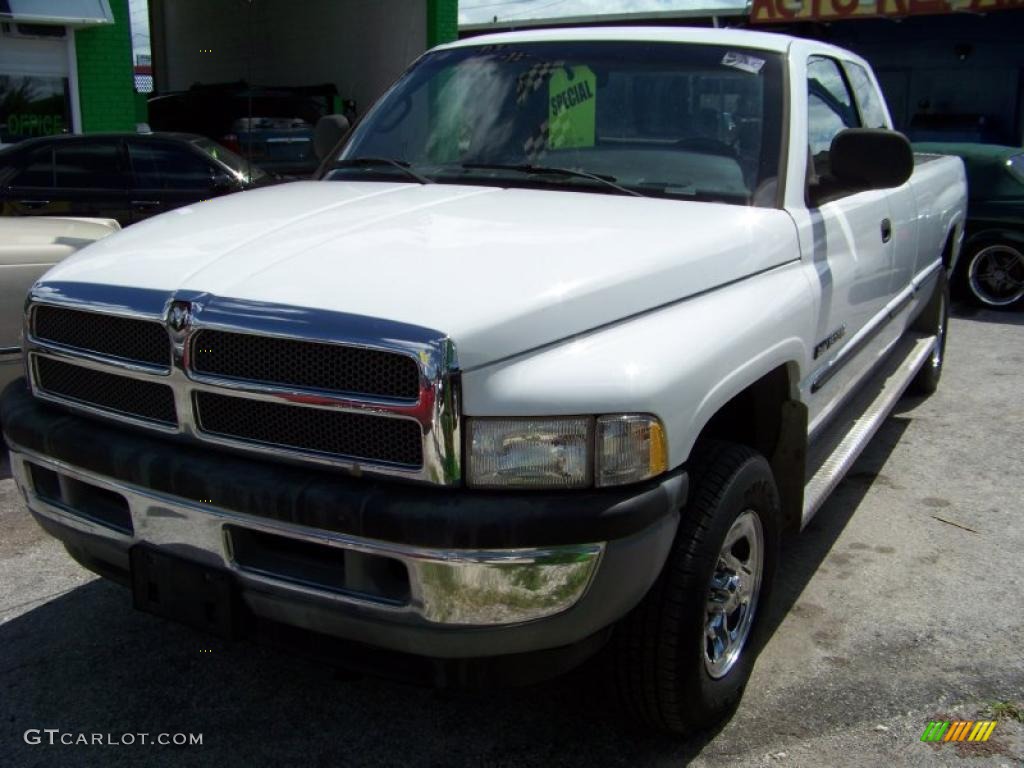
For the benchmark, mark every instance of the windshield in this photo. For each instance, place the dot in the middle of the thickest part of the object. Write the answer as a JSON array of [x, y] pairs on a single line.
[[238, 164], [658, 119]]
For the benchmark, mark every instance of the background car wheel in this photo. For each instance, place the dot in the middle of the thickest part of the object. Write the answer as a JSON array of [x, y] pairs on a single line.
[[934, 319], [681, 659], [994, 275]]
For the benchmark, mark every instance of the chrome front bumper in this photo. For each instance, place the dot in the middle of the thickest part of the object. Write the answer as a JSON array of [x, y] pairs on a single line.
[[445, 587], [434, 572]]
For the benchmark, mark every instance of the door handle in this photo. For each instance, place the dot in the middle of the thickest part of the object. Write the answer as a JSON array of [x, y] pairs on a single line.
[[886, 230], [143, 205], [34, 203]]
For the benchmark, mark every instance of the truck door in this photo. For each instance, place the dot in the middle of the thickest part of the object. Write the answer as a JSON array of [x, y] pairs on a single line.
[[902, 203], [852, 246]]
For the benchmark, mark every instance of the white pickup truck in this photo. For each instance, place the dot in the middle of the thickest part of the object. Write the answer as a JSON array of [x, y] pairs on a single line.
[[570, 327]]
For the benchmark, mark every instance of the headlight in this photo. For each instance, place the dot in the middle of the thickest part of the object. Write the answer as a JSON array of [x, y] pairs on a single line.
[[629, 449], [529, 453], [564, 452]]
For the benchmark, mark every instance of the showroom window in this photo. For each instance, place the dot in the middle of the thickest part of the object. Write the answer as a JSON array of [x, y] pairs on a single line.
[[33, 105]]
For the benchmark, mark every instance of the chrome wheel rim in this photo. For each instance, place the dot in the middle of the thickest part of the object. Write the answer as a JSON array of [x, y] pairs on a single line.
[[732, 594], [996, 275]]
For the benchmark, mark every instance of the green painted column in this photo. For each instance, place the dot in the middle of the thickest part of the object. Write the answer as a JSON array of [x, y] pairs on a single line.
[[106, 86], [442, 21]]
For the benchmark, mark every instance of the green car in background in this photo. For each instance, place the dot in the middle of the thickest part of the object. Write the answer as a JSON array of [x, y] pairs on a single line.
[[991, 267]]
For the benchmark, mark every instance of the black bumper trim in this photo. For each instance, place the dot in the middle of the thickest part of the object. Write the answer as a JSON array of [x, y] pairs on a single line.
[[390, 511]]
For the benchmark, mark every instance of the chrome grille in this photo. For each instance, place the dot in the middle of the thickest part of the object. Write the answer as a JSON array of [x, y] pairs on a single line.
[[305, 364], [356, 435], [141, 341], [314, 386], [107, 391]]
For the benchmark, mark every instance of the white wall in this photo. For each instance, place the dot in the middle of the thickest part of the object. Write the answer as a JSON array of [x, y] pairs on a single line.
[[359, 45], [34, 56]]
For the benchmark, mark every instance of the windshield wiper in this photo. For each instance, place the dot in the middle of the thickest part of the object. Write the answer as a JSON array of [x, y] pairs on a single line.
[[402, 165], [542, 170]]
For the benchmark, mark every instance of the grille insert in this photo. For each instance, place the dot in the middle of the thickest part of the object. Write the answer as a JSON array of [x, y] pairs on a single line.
[[306, 364], [141, 399], [82, 499], [353, 435], [142, 341]]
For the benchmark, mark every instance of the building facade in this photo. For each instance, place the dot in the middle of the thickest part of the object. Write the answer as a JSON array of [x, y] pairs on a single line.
[[67, 67], [951, 69], [64, 68]]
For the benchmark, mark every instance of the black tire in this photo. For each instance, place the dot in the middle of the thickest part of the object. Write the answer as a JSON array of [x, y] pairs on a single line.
[[934, 319], [981, 257], [658, 651]]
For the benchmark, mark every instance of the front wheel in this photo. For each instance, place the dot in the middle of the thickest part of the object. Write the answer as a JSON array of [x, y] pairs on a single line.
[[994, 276], [683, 656]]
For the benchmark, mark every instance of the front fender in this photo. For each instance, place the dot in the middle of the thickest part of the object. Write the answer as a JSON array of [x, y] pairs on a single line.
[[681, 362]]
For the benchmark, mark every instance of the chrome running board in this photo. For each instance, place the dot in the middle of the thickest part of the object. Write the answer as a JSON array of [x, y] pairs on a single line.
[[832, 454]]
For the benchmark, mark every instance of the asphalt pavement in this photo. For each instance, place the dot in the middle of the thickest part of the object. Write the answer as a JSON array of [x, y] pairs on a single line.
[[902, 603]]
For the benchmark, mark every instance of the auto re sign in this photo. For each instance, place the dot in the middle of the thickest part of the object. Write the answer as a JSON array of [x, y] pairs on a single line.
[[781, 11]]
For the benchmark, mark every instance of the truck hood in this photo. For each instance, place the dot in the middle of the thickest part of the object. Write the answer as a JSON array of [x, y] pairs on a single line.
[[500, 271]]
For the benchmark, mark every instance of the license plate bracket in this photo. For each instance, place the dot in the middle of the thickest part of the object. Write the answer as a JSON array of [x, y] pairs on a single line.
[[172, 587]]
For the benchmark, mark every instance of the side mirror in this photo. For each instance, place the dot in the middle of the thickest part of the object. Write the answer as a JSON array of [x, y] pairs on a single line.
[[221, 184], [329, 130], [869, 158]]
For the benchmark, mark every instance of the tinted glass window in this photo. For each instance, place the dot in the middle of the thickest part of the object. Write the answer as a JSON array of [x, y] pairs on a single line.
[[238, 164], [168, 166], [830, 109], [872, 113], [38, 172], [88, 165]]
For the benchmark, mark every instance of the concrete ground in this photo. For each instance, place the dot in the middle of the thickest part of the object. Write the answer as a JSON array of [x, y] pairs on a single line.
[[902, 603]]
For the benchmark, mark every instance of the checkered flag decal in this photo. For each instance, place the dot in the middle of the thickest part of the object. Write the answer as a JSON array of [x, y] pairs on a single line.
[[503, 54], [548, 135], [535, 146], [533, 78]]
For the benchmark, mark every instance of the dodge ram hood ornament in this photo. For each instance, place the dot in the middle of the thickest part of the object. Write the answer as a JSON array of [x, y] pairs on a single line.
[[179, 316]]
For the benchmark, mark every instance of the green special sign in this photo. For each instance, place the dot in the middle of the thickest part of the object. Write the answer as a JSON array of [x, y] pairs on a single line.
[[572, 108]]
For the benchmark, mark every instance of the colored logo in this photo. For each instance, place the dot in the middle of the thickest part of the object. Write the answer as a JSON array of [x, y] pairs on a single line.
[[958, 730]]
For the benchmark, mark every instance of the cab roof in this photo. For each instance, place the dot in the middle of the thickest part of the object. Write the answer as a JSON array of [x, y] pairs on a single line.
[[741, 38]]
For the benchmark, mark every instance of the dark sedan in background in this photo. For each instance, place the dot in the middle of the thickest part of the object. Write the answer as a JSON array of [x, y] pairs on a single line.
[[991, 267], [273, 126], [127, 177]]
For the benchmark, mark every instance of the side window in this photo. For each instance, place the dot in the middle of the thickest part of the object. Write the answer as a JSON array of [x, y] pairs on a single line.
[[872, 112], [88, 165], [37, 171], [167, 166], [830, 109]]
